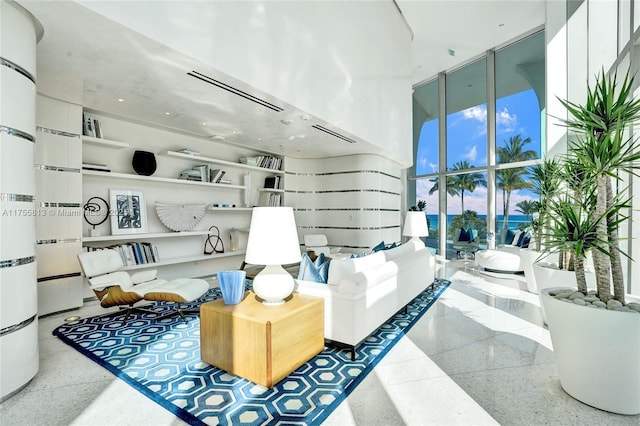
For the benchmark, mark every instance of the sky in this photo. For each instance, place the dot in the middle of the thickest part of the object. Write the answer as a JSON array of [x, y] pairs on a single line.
[[517, 114]]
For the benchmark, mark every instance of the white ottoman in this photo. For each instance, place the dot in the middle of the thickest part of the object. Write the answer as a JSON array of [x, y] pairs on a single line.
[[499, 261]]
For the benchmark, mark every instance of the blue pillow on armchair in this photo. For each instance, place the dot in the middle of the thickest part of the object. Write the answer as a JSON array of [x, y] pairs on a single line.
[[317, 271], [465, 235], [508, 239]]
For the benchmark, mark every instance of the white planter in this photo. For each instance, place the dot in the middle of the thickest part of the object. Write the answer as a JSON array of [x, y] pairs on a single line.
[[527, 258], [547, 275], [597, 354]]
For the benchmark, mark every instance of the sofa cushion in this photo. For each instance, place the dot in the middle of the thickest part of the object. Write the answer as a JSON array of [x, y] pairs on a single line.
[[362, 281], [340, 268], [316, 271], [401, 250]]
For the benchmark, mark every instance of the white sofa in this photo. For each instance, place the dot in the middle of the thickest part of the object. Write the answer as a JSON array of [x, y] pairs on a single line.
[[362, 293]]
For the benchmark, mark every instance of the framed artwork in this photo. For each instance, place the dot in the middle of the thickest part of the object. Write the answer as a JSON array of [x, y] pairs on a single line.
[[129, 212]]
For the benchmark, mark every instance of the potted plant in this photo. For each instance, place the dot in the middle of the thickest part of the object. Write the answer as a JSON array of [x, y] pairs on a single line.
[[596, 335], [546, 180]]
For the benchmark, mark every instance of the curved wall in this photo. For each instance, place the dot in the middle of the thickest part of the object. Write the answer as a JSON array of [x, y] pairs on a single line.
[[18, 289]]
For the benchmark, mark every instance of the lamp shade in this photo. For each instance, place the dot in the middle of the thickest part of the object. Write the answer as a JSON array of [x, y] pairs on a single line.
[[273, 237], [415, 225]]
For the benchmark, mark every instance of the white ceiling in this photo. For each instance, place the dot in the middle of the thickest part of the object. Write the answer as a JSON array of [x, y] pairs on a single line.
[[89, 60]]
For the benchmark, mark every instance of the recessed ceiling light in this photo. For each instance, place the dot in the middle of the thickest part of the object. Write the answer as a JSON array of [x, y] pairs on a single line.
[[501, 25], [305, 117], [291, 138], [120, 100], [286, 121], [204, 123], [218, 137], [167, 113]]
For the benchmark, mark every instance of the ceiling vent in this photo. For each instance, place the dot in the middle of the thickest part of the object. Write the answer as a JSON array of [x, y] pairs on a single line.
[[332, 133], [235, 91]]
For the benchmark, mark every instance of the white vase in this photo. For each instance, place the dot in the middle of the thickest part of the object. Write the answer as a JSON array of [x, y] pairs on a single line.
[[597, 354]]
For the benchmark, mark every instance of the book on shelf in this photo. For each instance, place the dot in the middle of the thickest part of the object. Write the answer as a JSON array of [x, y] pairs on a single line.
[[272, 182], [91, 126], [270, 199], [215, 175], [264, 161], [95, 167], [134, 253], [188, 152]]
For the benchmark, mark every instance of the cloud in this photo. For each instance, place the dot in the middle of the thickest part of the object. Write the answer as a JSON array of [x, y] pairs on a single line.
[[478, 113], [505, 121], [472, 153]]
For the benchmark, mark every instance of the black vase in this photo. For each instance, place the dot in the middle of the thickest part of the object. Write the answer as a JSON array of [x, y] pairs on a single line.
[[144, 163]]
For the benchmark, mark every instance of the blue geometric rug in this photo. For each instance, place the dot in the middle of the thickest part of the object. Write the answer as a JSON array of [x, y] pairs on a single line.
[[162, 360]]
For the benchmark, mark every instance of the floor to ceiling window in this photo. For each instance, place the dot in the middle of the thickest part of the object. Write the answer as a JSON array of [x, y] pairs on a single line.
[[484, 157]]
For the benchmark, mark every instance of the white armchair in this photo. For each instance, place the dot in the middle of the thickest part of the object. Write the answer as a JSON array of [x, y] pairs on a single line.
[[114, 287], [318, 244]]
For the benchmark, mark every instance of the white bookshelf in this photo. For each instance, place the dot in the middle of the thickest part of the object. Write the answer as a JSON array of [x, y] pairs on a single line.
[[136, 237], [128, 176], [230, 209], [104, 143], [184, 259], [210, 160]]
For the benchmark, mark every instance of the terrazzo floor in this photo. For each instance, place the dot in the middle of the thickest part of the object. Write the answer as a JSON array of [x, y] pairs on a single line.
[[479, 356]]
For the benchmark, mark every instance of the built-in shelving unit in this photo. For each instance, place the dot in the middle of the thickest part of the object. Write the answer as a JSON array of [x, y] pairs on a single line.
[[112, 175], [105, 143], [127, 237], [176, 154], [270, 190], [185, 259], [230, 209]]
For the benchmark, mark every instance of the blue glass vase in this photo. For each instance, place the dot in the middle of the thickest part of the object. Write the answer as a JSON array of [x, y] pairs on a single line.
[[232, 286]]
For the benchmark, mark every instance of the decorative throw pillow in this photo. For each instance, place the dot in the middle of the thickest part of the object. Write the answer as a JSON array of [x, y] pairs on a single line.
[[516, 238], [378, 247], [524, 241], [521, 238], [465, 235], [509, 236], [317, 271]]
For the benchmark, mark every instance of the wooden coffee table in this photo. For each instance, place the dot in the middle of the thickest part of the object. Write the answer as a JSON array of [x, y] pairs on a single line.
[[261, 343]]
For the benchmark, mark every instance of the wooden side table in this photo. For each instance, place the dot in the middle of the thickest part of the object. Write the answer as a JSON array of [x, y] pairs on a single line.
[[261, 343]]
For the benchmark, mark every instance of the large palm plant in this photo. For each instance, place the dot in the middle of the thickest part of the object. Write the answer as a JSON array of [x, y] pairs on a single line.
[[546, 179], [458, 184], [601, 151], [509, 180]]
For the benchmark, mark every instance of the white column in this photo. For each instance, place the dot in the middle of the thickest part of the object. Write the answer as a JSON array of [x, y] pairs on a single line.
[[18, 291]]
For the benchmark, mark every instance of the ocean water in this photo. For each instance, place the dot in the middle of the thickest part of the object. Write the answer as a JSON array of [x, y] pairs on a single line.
[[514, 220]]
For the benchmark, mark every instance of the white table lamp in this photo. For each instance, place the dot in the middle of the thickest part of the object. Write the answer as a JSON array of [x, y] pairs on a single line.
[[415, 226], [273, 241]]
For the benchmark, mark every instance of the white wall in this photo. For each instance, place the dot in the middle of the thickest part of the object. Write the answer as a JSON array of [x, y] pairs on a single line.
[[354, 200], [346, 62]]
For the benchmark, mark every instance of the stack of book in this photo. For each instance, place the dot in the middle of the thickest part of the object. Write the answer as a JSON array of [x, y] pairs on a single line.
[[134, 253], [264, 161], [204, 173], [269, 199], [272, 182], [138, 253]]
